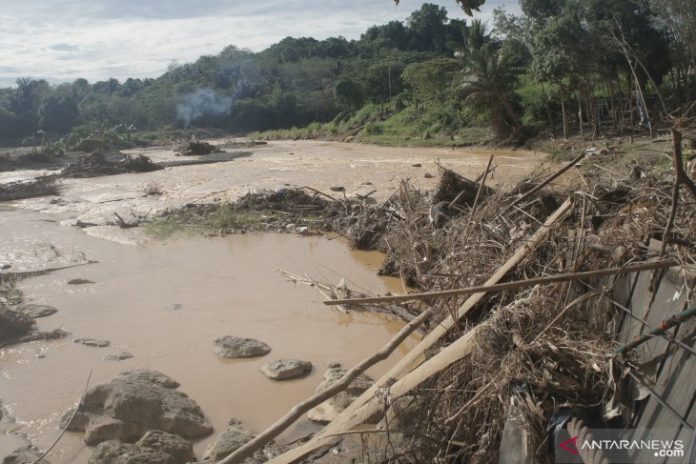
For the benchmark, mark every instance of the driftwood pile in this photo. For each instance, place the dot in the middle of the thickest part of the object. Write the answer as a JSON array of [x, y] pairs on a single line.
[[194, 147], [534, 339], [106, 164], [40, 187]]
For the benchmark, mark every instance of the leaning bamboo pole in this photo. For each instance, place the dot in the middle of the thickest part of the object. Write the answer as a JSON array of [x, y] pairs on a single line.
[[355, 412]]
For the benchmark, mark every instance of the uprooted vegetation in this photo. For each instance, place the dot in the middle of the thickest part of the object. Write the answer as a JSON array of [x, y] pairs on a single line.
[[291, 210], [41, 187], [101, 164], [536, 353]]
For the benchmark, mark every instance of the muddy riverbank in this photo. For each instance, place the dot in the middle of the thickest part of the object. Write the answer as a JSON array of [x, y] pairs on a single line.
[[357, 168]]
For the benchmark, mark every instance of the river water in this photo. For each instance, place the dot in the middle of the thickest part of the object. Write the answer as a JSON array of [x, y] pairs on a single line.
[[166, 303]]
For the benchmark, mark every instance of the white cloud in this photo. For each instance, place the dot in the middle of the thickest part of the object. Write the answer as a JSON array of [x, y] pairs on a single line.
[[65, 39]]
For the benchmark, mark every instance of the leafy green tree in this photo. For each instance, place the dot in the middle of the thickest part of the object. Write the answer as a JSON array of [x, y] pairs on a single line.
[[428, 27], [58, 114], [431, 80], [350, 93]]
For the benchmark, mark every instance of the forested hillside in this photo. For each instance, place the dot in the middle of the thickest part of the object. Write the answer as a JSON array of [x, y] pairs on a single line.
[[563, 66]]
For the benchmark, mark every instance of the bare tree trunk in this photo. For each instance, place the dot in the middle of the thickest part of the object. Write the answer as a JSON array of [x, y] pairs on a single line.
[[565, 115], [580, 120], [548, 114]]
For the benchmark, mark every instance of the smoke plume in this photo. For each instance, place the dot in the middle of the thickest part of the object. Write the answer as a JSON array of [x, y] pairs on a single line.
[[202, 102]]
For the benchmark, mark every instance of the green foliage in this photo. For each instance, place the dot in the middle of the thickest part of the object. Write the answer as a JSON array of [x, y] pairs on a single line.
[[431, 80], [399, 80]]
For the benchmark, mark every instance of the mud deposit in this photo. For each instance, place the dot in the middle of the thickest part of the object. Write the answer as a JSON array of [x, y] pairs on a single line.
[[165, 304]]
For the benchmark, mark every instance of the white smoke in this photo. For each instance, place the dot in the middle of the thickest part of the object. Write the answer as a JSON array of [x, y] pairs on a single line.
[[202, 102]]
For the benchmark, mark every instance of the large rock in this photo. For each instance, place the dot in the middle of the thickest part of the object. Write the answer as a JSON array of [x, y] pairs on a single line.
[[238, 347], [24, 455], [134, 403], [36, 311], [14, 324], [329, 409], [228, 441], [285, 369]]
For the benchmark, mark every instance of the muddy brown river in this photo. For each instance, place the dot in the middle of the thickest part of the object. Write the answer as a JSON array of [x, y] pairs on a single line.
[[166, 302]]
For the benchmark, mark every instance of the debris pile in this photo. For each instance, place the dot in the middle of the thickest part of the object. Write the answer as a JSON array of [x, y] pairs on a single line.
[[105, 164], [40, 187], [194, 147], [519, 286]]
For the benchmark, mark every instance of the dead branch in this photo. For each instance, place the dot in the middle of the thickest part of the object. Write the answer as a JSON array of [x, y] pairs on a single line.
[[25, 274], [547, 181], [569, 277], [680, 177]]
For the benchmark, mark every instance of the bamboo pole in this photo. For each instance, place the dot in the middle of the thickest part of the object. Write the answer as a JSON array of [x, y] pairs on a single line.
[[571, 276], [673, 321], [417, 353]]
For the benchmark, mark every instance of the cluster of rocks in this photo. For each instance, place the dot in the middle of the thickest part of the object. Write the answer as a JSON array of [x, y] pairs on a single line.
[[134, 403], [17, 324], [230, 347], [141, 417]]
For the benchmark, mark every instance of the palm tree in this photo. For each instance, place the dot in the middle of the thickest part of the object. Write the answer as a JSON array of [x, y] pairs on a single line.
[[488, 80]]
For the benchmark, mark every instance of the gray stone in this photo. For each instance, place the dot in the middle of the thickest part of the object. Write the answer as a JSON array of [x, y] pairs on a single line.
[[114, 452], [101, 429], [24, 455], [285, 369], [37, 310], [122, 356], [14, 324], [228, 441], [147, 375], [93, 342], [238, 347], [134, 403], [329, 409], [179, 449], [54, 334]]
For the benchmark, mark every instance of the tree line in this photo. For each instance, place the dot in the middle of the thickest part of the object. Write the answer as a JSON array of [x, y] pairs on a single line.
[[565, 66]]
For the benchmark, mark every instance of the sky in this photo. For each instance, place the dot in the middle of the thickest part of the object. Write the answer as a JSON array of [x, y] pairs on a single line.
[[61, 40]]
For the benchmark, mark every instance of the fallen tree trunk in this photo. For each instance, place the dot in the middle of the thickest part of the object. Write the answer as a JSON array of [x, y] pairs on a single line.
[[459, 348]]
